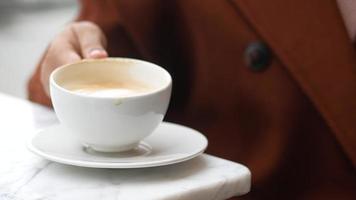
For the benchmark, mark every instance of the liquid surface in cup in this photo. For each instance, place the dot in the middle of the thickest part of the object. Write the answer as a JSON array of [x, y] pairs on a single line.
[[110, 89]]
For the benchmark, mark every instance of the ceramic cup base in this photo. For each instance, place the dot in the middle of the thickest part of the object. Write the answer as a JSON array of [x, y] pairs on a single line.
[[142, 149], [111, 149]]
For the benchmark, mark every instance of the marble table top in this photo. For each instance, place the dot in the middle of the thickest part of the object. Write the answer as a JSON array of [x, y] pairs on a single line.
[[24, 176]]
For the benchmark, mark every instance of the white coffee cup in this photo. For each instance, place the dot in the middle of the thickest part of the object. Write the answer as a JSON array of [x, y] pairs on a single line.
[[110, 124]]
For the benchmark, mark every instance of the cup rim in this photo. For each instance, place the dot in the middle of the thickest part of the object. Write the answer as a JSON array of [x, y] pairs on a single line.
[[110, 59]]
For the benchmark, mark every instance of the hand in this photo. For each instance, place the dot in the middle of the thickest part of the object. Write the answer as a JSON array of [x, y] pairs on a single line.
[[77, 41]]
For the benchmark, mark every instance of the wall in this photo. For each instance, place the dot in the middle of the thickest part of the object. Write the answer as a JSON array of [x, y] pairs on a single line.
[[26, 27]]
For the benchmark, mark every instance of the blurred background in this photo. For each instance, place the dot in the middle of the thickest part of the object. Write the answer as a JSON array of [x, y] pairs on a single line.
[[26, 27]]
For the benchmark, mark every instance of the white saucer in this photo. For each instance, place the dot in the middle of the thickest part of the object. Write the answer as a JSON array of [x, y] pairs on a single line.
[[169, 143]]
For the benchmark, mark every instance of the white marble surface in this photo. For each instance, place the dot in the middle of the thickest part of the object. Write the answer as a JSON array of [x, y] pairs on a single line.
[[24, 176]]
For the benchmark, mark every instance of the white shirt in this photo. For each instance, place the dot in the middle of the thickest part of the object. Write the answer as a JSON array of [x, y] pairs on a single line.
[[348, 12]]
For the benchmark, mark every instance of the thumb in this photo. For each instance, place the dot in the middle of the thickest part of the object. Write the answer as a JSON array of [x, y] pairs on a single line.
[[92, 41]]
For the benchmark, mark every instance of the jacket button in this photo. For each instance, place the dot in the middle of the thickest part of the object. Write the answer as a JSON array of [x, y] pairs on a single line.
[[257, 56]]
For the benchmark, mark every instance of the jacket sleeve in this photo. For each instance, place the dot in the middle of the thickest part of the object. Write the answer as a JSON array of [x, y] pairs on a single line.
[[105, 14]]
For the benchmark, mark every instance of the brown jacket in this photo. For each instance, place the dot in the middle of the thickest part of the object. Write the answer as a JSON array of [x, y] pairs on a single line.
[[290, 115]]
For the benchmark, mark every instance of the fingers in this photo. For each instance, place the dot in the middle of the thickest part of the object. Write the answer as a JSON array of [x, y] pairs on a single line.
[[61, 51], [79, 40], [92, 42]]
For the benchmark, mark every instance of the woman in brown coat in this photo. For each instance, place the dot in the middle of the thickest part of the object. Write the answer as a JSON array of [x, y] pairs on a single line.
[[272, 84]]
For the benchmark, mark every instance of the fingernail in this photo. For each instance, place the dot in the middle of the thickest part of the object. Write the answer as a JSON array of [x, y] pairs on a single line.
[[97, 53]]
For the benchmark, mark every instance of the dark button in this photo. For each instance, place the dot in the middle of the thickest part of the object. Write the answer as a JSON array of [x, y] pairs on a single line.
[[258, 56]]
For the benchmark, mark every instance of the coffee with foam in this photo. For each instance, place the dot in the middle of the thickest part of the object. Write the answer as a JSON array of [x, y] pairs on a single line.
[[118, 80], [110, 89]]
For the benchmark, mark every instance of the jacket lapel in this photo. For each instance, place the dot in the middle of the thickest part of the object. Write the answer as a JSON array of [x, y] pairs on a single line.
[[309, 37]]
